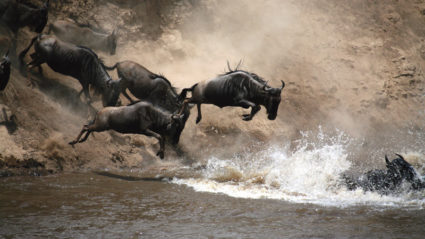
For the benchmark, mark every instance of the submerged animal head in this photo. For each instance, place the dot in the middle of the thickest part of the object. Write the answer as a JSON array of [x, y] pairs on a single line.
[[272, 100], [399, 169]]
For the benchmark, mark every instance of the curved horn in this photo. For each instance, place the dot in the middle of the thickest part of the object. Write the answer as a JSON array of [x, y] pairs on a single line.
[[7, 53], [283, 85], [386, 159], [400, 156]]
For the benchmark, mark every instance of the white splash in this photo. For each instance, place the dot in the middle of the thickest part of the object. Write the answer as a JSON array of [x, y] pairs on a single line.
[[309, 174]]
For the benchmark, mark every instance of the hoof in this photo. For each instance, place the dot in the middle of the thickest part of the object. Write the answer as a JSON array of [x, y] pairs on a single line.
[[198, 120], [160, 154], [247, 117]]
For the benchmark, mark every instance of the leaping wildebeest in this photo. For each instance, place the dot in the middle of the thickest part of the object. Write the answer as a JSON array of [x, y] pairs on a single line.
[[236, 88], [139, 118], [76, 61], [84, 36], [4, 71], [17, 15], [150, 87]]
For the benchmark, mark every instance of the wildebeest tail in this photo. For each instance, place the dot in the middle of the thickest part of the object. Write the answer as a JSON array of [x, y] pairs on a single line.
[[24, 52], [110, 68], [183, 94]]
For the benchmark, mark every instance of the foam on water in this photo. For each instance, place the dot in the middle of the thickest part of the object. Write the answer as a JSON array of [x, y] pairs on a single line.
[[311, 173]]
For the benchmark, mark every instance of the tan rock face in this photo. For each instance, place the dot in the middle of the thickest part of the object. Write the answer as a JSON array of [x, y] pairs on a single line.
[[352, 65]]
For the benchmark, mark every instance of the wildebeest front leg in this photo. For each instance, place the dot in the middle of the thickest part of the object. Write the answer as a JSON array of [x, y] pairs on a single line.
[[199, 117], [161, 140], [254, 109], [87, 94], [124, 92], [36, 62]]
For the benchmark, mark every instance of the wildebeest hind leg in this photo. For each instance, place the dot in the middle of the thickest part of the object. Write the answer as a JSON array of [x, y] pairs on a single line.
[[79, 136], [85, 136]]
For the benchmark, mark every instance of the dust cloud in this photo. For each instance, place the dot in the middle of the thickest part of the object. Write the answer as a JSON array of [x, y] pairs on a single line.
[[340, 61]]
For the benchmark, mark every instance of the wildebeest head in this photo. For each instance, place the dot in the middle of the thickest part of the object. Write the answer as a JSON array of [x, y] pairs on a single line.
[[272, 100], [112, 42], [112, 93], [175, 127], [399, 169]]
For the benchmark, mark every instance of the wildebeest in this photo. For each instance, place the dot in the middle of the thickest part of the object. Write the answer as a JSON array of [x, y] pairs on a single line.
[[150, 87], [387, 181], [236, 88], [139, 118], [84, 36], [17, 15], [76, 61], [4, 71]]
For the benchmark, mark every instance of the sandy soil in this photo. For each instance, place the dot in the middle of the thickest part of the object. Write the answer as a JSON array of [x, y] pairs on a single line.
[[356, 66]]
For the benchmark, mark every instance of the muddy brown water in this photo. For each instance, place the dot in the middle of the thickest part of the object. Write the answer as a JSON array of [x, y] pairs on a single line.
[[89, 205]]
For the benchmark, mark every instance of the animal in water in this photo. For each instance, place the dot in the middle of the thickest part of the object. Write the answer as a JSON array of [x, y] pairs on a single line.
[[235, 88], [388, 181], [18, 15], [4, 71], [139, 118], [150, 87], [76, 61], [84, 36]]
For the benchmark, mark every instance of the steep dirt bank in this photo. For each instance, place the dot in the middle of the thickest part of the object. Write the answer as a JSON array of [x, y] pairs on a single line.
[[352, 65]]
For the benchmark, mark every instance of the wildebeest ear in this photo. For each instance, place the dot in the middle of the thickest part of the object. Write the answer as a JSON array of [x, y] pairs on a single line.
[[7, 53], [283, 85]]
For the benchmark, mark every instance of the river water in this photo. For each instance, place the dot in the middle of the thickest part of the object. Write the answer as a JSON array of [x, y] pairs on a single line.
[[277, 192]]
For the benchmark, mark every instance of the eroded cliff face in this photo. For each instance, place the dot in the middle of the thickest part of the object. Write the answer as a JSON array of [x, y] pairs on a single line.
[[356, 66]]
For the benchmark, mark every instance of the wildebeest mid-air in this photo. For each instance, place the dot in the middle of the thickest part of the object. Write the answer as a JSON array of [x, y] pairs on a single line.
[[150, 87], [76, 61], [236, 88], [4, 71], [17, 15], [139, 118], [84, 36], [387, 181]]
